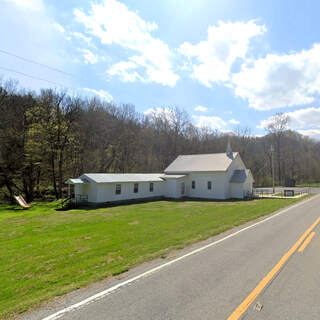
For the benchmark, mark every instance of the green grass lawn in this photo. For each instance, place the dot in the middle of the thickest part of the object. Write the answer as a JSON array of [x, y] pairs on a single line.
[[45, 253], [311, 184]]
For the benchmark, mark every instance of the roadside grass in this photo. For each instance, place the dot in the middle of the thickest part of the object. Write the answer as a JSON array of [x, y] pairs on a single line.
[[46, 253], [312, 184]]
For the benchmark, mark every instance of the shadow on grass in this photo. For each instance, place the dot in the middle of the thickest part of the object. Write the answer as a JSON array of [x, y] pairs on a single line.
[[93, 206]]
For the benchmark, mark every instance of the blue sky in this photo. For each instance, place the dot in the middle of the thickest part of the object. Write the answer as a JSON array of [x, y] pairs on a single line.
[[228, 63]]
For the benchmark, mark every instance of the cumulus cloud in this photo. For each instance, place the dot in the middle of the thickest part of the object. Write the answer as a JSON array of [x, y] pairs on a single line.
[[201, 108], [211, 60], [211, 122], [113, 23], [101, 93], [157, 112], [89, 56], [81, 36], [234, 121], [280, 80], [126, 70], [311, 133], [299, 119]]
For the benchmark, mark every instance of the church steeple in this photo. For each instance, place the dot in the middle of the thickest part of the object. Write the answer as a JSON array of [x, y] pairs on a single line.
[[229, 150]]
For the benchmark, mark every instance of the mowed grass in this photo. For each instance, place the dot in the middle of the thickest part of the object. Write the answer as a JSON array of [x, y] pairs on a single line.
[[46, 253], [311, 184]]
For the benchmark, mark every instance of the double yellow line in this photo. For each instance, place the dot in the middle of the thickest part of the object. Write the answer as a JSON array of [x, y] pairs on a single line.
[[262, 284]]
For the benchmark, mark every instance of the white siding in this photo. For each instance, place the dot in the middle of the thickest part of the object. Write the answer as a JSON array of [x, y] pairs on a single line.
[[172, 188], [89, 190], [240, 190], [248, 185], [231, 191], [236, 190], [219, 185], [107, 191]]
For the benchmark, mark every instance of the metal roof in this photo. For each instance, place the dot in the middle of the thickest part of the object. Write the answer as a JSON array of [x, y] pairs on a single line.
[[201, 163], [239, 176], [173, 176], [122, 177], [76, 181]]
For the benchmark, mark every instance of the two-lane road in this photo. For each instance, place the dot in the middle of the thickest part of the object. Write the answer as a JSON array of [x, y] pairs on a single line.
[[211, 282]]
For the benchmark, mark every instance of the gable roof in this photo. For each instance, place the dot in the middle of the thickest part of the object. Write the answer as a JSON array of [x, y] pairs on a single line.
[[200, 163], [122, 177], [239, 175]]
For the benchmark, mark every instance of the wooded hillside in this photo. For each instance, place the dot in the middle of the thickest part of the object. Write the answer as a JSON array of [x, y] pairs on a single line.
[[48, 137]]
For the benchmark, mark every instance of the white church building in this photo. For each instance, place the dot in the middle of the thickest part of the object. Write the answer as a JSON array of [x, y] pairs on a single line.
[[207, 176]]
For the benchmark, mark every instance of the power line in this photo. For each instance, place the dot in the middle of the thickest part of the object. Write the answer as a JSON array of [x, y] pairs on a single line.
[[41, 79], [35, 62], [32, 77]]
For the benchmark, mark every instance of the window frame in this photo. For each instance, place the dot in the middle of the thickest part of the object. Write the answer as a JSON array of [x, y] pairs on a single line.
[[151, 187], [209, 184], [193, 184], [136, 188], [118, 189]]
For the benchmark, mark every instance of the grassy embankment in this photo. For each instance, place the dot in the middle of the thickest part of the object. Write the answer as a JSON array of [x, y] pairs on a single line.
[[46, 253], [312, 184]]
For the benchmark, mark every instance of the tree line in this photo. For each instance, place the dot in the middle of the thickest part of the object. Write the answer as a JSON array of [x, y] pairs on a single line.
[[48, 137]]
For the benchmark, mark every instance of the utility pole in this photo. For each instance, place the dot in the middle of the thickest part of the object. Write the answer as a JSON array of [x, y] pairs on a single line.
[[272, 165]]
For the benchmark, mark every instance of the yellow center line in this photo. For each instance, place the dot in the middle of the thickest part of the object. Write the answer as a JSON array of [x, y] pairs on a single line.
[[303, 246], [255, 292]]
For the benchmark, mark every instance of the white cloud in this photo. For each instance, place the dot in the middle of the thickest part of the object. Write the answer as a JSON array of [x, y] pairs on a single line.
[[234, 121], [201, 108], [113, 23], [159, 112], [89, 56], [126, 71], [58, 27], [101, 93], [81, 36], [312, 133], [302, 118], [211, 60], [299, 119], [165, 114], [280, 80], [209, 122], [34, 5]]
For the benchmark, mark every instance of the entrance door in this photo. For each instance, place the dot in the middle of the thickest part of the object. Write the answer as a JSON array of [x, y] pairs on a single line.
[[183, 187]]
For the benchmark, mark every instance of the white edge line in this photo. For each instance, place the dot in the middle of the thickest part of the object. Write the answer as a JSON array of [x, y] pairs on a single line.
[[121, 284]]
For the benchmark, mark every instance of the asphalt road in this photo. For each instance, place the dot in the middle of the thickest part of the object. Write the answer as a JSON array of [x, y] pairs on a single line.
[[213, 282]]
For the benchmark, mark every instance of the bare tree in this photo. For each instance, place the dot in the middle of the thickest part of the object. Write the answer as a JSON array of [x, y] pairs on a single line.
[[277, 127]]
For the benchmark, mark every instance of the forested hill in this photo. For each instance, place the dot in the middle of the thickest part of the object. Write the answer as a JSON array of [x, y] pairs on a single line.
[[48, 137]]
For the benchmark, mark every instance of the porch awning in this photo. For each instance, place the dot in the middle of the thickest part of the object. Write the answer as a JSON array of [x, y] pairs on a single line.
[[76, 181]]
